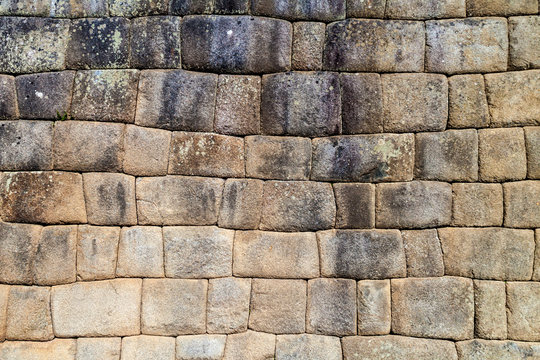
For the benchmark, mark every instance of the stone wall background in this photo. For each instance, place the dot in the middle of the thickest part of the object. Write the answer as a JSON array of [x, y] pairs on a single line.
[[235, 179]]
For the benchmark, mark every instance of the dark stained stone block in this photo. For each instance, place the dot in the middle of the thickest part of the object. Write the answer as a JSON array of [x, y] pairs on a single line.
[[132, 8], [241, 204], [26, 145], [8, 98], [361, 103], [366, 8], [191, 7], [231, 6], [321, 10], [155, 42], [355, 206], [18, 243]]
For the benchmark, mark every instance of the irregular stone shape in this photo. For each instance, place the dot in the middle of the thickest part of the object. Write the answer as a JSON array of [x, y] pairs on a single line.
[[148, 347], [477, 204], [374, 307], [423, 10], [176, 100], [8, 98], [103, 308], [155, 41], [490, 309], [433, 307], [355, 205], [416, 204], [25, 7], [73, 151], [513, 98], [505, 350], [297, 206], [361, 103], [18, 244], [307, 46], [198, 252], [55, 260], [374, 45], [500, 163], [46, 95], [231, 6], [521, 206], [242, 203], [33, 44], [380, 157], [189, 7], [98, 43], [97, 249], [448, 156], [26, 145], [110, 199], [414, 102], [501, 7], [466, 46], [42, 197], [105, 95], [228, 305], [238, 105], [523, 310], [423, 253], [397, 348], [325, 10], [278, 306], [173, 307], [524, 37], [366, 8], [467, 102], [29, 314], [178, 200], [79, 8], [308, 347], [246, 44], [488, 253], [58, 349], [250, 345], [137, 7], [98, 348], [194, 347], [140, 252], [301, 104], [206, 155], [146, 151], [4, 293], [532, 142], [278, 157]]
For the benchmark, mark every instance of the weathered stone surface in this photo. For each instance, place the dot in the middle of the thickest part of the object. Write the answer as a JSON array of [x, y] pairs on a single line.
[[176, 100], [135, 8], [355, 205], [74, 152], [477, 204], [250, 345], [423, 253], [8, 98], [433, 307], [42, 197], [505, 350], [521, 205], [97, 249], [500, 163], [238, 103], [98, 348], [331, 308], [79, 8], [18, 244], [146, 151], [465, 46], [361, 103], [104, 308], [189, 7], [488, 253], [275, 255], [206, 155], [414, 102], [58, 349], [25, 7], [278, 306], [231, 6], [374, 304], [301, 104], [416, 204], [490, 309], [362, 254], [325, 10], [29, 314], [194, 347], [32, 44], [523, 310], [178, 200], [524, 37], [140, 252], [98, 43], [501, 7], [366, 8], [297, 206], [228, 305], [532, 142], [424, 9], [241, 204], [536, 270], [246, 44], [105, 95], [4, 293], [26, 145], [155, 41], [467, 102], [308, 347], [198, 252], [307, 46], [110, 199], [55, 258], [173, 306], [148, 347]]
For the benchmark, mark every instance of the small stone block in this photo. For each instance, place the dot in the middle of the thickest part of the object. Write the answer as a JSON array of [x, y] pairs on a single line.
[[228, 305], [492, 349], [25, 7], [148, 347], [29, 314], [477, 204], [155, 42], [195, 347], [523, 310], [241, 204], [8, 98], [423, 253], [250, 345], [140, 252], [26, 145], [97, 250], [467, 102], [374, 304], [98, 348], [355, 205], [424, 9], [308, 347], [501, 7], [490, 309], [366, 8], [79, 9], [524, 35], [135, 8], [189, 7], [307, 46], [521, 204], [501, 163], [18, 244], [361, 103], [231, 7], [146, 151], [55, 261], [532, 142], [321, 10], [58, 349]]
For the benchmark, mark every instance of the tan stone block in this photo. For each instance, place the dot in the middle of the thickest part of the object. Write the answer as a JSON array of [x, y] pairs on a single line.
[[374, 307], [361, 103], [366, 8], [26, 145], [146, 151], [194, 347], [18, 244], [467, 102], [97, 249], [228, 305], [140, 252], [55, 261], [58, 349], [536, 270], [501, 7], [522, 204], [29, 314], [148, 347], [523, 310], [4, 293], [307, 45], [500, 163], [424, 9], [242, 204], [477, 204], [98, 348], [308, 347], [524, 37], [8, 98], [478, 349], [490, 309], [532, 142], [423, 253], [250, 345], [355, 204]]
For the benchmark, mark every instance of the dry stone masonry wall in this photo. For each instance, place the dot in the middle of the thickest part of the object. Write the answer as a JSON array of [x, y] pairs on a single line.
[[259, 179]]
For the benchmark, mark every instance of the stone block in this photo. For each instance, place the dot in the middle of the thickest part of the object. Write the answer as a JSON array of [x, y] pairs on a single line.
[[18, 244], [241, 204], [189, 7], [491, 349], [194, 347], [524, 36], [4, 293], [433, 307], [325, 10], [140, 252], [206, 155], [228, 305], [110, 199], [477, 204], [532, 143], [467, 102], [500, 163], [8, 98], [301, 104], [247, 44], [148, 347], [361, 103], [366, 8], [29, 314], [26, 145], [97, 249], [58, 349], [79, 8], [523, 310], [423, 253], [374, 307], [355, 206], [501, 7], [308, 347], [424, 9], [155, 41], [176, 100], [521, 204], [25, 7], [490, 309], [250, 345], [98, 348], [146, 151], [198, 252], [137, 8], [173, 307], [307, 46], [231, 7], [536, 270], [55, 260]]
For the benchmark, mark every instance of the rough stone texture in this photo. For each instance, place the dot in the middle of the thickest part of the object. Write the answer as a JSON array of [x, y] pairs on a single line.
[[8, 97], [500, 163], [297, 206], [422, 9], [29, 314], [55, 260], [58, 349], [465, 46], [505, 350], [135, 8], [308, 347], [140, 252], [198, 252], [176, 100], [4, 293], [307, 46], [490, 309], [98, 348], [521, 204], [488, 253], [374, 45], [524, 35], [536, 270], [246, 44], [532, 142], [97, 249], [189, 7], [467, 102], [423, 253], [79, 8], [25, 7], [26, 145], [155, 41], [18, 244], [228, 305], [366, 8], [194, 347], [477, 204], [250, 345], [523, 310], [374, 307], [331, 308], [355, 206], [301, 104], [148, 347], [433, 307], [173, 306], [501, 7], [325, 10], [146, 151], [361, 103], [414, 102], [241, 204], [104, 308], [416, 204], [231, 6]]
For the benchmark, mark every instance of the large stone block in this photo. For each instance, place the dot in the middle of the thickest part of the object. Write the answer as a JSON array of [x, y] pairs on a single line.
[[521, 204], [148, 347], [140, 252], [98, 348], [18, 244], [29, 314], [55, 260], [8, 98], [501, 7], [78, 9], [97, 250], [490, 349], [58, 349], [193, 347], [250, 345], [374, 307], [146, 151], [241, 204], [307, 46], [490, 309], [361, 103], [321, 10], [308, 347], [137, 8], [423, 252], [355, 206], [523, 310], [467, 102], [366, 8], [155, 42], [424, 9], [477, 204], [500, 163], [524, 35], [228, 305], [532, 143], [26, 145]]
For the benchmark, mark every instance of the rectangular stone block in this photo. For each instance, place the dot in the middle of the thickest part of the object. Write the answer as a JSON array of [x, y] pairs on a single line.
[[148, 347], [242, 204], [490, 309], [140, 252], [423, 253], [521, 204], [424, 9], [492, 349], [250, 345], [155, 41], [146, 151], [524, 35], [98, 348], [308, 347], [307, 46], [56, 256], [26, 145], [366, 8], [501, 7], [467, 102], [18, 244], [190, 7], [8, 98], [25, 7], [361, 103], [193, 347], [355, 206], [532, 143], [29, 314], [230, 7], [321, 10], [374, 312], [137, 8], [523, 310], [97, 250], [58, 349], [477, 204], [79, 8], [500, 163], [228, 305]]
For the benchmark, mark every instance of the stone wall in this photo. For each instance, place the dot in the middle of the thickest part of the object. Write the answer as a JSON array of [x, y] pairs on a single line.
[[258, 179]]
